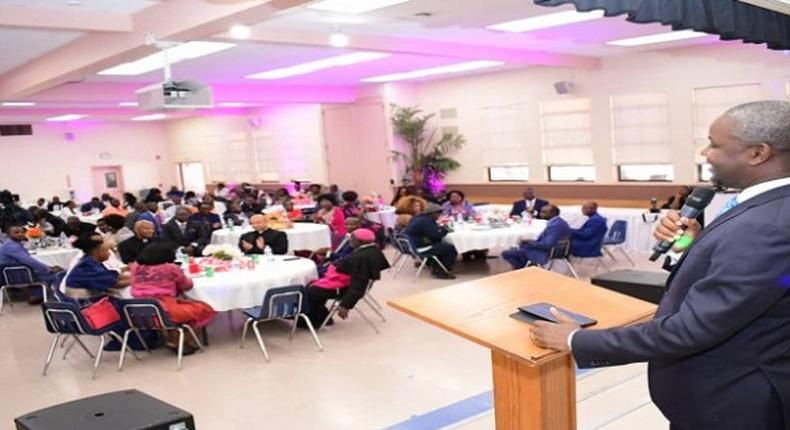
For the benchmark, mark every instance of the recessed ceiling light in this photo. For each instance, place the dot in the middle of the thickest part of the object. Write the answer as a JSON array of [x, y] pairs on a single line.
[[184, 51], [658, 38], [69, 117], [546, 21], [151, 117], [233, 104], [339, 40], [314, 66], [240, 31], [127, 104], [18, 104], [433, 71], [74, 2], [354, 6]]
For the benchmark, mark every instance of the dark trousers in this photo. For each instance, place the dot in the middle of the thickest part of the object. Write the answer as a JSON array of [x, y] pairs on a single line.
[[517, 257], [445, 252], [316, 302]]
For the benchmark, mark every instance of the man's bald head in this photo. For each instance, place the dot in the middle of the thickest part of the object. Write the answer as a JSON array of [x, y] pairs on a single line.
[[144, 229], [259, 222]]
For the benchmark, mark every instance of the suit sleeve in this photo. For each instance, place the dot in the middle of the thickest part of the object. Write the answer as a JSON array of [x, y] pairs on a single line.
[[547, 240], [515, 211], [19, 254], [432, 231], [742, 282], [280, 244], [589, 230], [125, 253]]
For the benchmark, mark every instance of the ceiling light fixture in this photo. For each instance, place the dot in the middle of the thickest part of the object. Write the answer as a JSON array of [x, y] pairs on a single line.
[[657, 38], [354, 6], [233, 104], [339, 40], [442, 70], [151, 117], [546, 21], [18, 104], [127, 104], [240, 31], [314, 66], [184, 51], [69, 117]]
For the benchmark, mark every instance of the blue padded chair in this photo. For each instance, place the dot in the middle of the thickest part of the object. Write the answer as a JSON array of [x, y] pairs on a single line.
[[615, 238], [65, 319], [278, 304], [147, 314], [17, 277]]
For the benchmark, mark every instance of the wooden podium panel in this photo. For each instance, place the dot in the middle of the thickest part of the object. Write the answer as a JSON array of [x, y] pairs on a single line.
[[534, 388]]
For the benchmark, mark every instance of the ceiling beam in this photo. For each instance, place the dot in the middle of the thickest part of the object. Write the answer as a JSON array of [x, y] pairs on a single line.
[[423, 47], [177, 20], [59, 19]]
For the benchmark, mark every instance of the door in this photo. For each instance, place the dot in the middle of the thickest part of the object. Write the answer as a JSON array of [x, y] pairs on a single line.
[[192, 177], [107, 179]]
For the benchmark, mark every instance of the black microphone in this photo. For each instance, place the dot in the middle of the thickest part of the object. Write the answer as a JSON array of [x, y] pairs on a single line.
[[695, 203]]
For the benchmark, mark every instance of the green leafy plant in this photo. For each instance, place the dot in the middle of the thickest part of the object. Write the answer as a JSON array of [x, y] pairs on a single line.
[[427, 158]]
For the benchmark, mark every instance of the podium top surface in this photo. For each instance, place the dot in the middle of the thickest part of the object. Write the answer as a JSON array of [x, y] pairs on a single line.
[[480, 310]]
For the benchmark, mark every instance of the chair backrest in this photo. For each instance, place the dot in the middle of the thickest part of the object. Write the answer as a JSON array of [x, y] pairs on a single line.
[[616, 233], [562, 249], [406, 246], [64, 318], [282, 302], [58, 295], [17, 275], [392, 237], [145, 314]]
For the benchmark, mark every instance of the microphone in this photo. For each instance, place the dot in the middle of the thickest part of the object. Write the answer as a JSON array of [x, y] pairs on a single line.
[[695, 203]]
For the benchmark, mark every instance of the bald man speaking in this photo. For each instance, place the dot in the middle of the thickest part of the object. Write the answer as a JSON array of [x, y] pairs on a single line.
[[262, 236]]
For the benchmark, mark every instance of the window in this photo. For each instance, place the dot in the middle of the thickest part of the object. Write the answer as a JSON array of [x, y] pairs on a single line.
[[502, 134], [645, 173], [571, 173], [703, 172], [565, 125], [640, 128], [712, 102], [508, 173]]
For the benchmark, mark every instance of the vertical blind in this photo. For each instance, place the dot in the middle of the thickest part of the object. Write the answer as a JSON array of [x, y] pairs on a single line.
[[566, 128], [502, 133], [640, 128]]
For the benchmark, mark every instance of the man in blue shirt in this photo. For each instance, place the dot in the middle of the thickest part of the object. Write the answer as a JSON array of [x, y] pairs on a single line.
[[150, 216], [586, 241], [537, 251], [13, 253]]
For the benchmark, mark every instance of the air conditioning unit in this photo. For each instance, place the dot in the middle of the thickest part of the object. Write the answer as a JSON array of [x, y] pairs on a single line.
[[175, 95]]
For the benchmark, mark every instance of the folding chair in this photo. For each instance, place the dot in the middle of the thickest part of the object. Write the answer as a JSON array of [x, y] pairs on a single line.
[[615, 238], [147, 314], [366, 298], [416, 255], [65, 319], [278, 304], [17, 277], [561, 251]]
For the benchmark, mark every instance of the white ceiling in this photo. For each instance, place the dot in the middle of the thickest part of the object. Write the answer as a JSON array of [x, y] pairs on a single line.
[[118, 6], [20, 46]]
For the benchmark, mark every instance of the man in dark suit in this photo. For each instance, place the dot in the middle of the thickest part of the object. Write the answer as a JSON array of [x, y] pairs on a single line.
[[427, 238], [586, 241], [44, 217], [530, 204], [182, 233], [75, 227], [719, 346], [257, 240], [537, 251], [144, 234]]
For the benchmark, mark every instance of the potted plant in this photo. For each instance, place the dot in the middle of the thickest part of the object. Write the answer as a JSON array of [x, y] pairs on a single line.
[[427, 157]]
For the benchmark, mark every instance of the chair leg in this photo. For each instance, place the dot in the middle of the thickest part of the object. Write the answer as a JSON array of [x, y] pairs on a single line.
[[180, 347], [68, 349], [260, 340], [3, 295], [627, 257], [50, 354], [422, 266], [373, 300], [194, 337], [142, 341], [609, 253], [124, 343], [99, 352], [44, 290], [332, 312], [602, 263], [373, 308], [82, 345], [312, 331], [439, 262], [400, 267], [293, 327], [364, 317], [572, 269], [244, 332]]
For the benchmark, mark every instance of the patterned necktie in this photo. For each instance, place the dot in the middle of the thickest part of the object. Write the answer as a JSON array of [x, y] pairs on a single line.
[[731, 203]]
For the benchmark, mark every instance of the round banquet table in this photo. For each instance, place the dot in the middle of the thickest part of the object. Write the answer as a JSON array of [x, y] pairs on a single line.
[[301, 236], [469, 237], [56, 257], [385, 216], [239, 288]]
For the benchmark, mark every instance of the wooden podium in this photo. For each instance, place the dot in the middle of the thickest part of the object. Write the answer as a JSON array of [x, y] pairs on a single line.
[[534, 388]]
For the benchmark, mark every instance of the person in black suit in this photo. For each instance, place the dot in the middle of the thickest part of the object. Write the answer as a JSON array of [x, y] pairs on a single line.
[[257, 240], [77, 228], [144, 234], [44, 217], [427, 238], [530, 204], [182, 233], [719, 346]]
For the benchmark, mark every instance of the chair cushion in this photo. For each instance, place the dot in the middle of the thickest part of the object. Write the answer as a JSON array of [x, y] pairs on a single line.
[[254, 313]]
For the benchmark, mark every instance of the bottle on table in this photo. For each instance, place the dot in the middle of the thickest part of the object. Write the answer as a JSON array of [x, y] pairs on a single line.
[[268, 254]]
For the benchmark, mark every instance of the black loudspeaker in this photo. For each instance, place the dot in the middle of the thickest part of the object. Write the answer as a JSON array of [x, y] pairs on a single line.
[[120, 410], [563, 87], [648, 286]]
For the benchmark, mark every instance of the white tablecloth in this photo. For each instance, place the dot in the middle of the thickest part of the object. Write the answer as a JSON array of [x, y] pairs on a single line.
[[302, 236], [90, 218], [468, 237], [239, 288], [280, 208], [56, 257], [385, 216]]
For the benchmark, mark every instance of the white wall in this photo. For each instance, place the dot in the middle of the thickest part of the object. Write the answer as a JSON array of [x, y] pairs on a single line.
[[42, 165], [675, 72]]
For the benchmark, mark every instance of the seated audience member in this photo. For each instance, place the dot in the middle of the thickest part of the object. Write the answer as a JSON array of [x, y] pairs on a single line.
[[324, 256], [13, 253], [77, 228], [150, 215], [347, 278], [114, 208], [250, 206], [155, 276], [677, 200], [90, 278], [234, 216], [111, 263], [191, 199], [69, 210], [314, 192], [41, 203], [256, 241], [129, 200], [134, 216], [458, 205], [154, 195], [144, 234], [291, 212], [105, 198], [335, 191], [408, 207], [222, 192], [168, 207], [49, 224], [55, 205], [427, 238], [351, 206], [280, 195], [182, 233], [530, 205], [94, 206], [205, 216], [217, 207], [400, 193], [329, 214], [536, 252], [586, 241], [117, 231]]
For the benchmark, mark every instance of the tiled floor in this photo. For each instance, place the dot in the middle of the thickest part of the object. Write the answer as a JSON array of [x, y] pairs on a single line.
[[360, 381]]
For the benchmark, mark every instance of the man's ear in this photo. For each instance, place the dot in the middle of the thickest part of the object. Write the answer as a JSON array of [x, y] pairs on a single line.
[[759, 154]]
